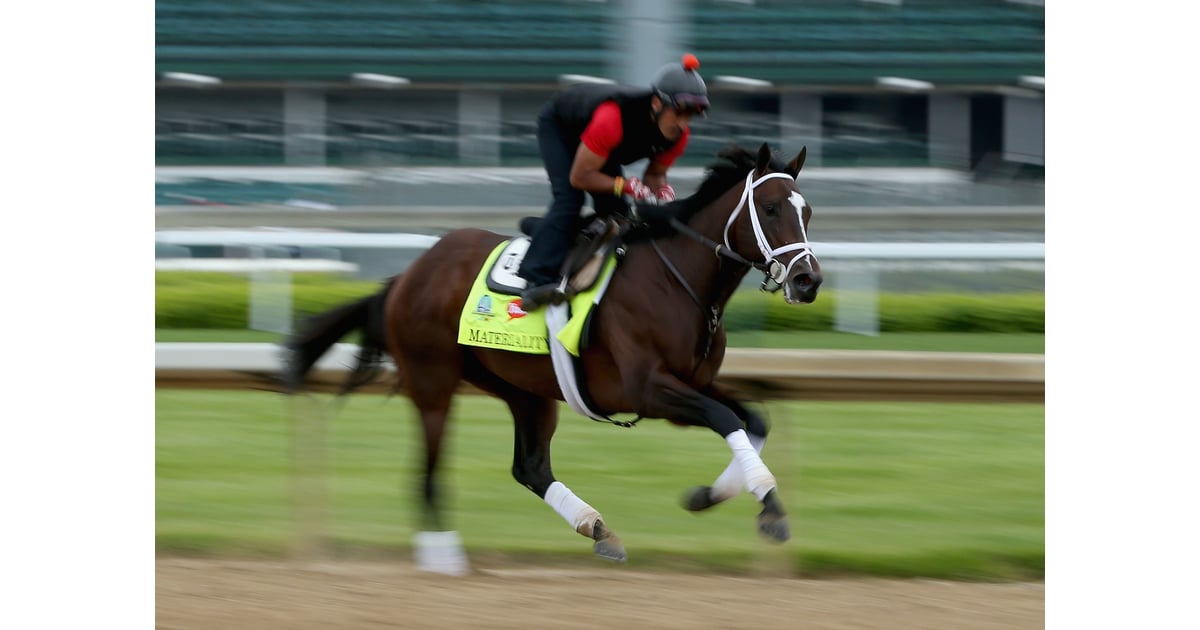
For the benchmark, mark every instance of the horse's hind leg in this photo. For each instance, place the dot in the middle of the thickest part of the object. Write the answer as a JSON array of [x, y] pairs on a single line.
[[431, 388], [731, 481], [535, 419]]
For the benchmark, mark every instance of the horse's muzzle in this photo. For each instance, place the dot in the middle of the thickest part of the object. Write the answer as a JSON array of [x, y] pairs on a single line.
[[802, 287]]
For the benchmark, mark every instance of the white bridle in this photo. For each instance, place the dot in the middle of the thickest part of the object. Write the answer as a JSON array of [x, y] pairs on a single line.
[[778, 272]]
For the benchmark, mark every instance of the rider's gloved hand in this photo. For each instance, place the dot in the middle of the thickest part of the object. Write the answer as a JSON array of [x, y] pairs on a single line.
[[634, 188], [666, 194]]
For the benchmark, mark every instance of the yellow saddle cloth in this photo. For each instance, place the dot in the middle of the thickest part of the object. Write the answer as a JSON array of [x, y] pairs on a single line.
[[494, 318]]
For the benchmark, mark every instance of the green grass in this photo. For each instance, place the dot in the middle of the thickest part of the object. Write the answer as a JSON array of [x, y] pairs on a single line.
[[214, 335], [936, 490], [937, 342]]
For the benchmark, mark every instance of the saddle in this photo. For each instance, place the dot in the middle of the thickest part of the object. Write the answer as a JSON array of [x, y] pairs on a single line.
[[598, 237]]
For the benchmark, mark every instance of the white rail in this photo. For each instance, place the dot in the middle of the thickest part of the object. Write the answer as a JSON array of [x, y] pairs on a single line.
[[314, 238], [856, 251], [253, 265]]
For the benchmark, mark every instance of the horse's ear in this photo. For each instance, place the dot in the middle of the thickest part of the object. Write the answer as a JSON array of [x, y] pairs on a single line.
[[763, 160], [796, 164]]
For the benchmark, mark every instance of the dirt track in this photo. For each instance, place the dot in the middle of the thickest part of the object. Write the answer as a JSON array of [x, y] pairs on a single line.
[[192, 593]]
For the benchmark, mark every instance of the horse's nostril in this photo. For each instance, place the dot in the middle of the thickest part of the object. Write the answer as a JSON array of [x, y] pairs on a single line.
[[806, 284]]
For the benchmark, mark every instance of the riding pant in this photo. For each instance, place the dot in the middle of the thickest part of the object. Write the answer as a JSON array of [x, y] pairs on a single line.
[[553, 237]]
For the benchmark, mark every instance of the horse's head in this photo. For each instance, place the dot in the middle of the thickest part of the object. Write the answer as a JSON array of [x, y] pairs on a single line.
[[771, 222]]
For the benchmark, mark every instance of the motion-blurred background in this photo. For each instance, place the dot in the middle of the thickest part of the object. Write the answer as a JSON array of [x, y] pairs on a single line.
[[924, 119]]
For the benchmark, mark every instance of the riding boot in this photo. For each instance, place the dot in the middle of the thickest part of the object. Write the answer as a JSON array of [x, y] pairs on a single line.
[[535, 297]]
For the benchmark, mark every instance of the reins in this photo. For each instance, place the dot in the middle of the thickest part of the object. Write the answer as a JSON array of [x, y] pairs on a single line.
[[720, 249]]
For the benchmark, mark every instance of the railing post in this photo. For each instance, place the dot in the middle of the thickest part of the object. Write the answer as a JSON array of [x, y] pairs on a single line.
[[270, 298], [479, 126], [856, 299], [304, 127]]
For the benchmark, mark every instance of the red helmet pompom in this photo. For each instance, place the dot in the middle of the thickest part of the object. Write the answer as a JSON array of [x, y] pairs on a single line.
[[690, 62]]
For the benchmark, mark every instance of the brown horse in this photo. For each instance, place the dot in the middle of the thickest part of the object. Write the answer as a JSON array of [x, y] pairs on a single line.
[[655, 345]]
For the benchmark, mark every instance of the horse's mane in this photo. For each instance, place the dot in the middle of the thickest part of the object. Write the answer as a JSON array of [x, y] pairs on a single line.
[[731, 168]]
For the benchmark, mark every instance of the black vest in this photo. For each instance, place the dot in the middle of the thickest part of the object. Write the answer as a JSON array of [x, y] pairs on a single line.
[[640, 136]]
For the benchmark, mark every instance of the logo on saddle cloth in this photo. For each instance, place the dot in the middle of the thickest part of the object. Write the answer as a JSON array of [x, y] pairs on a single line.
[[492, 316]]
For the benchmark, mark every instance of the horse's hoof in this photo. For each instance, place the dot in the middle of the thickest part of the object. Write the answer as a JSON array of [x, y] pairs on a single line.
[[774, 527], [608, 545], [698, 498], [610, 549], [772, 522], [440, 552]]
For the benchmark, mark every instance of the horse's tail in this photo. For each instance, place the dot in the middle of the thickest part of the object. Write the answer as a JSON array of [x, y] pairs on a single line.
[[313, 338]]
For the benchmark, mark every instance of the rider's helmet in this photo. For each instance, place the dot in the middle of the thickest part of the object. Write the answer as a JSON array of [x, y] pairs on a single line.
[[680, 86]]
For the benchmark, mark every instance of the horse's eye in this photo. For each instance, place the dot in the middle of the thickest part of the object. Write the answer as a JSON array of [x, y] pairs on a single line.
[[771, 209]]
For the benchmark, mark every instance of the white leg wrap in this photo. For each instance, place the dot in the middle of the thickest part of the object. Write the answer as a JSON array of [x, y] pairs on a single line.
[[732, 481], [759, 480], [440, 552], [571, 507]]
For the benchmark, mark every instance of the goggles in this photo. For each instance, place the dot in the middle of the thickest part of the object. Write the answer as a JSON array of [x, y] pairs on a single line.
[[686, 102], [691, 103]]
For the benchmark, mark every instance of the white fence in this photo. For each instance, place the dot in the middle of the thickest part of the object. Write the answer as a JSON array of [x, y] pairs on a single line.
[[856, 285], [837, 251]]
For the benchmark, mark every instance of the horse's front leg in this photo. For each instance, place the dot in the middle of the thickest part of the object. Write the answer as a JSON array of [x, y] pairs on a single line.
[[667, 397], [535, 420], [731, 481]]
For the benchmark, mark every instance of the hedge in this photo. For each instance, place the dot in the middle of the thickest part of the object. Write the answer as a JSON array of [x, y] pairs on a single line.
[[209, 300], [214, 300]]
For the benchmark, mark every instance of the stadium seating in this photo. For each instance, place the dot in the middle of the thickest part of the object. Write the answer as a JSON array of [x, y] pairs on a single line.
[[816, 41], [521, 46]]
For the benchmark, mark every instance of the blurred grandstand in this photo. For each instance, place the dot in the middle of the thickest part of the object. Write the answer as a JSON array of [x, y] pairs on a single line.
[[271, 112]]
